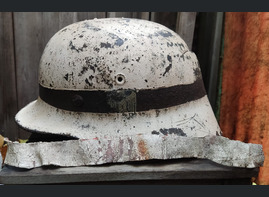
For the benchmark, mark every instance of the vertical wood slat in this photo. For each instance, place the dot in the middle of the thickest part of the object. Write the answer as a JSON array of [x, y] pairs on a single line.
[[185, 26], [8, 95], [90, 15], [167, 19], [207, 50], [29, 43], [140, 15], [215, 62]]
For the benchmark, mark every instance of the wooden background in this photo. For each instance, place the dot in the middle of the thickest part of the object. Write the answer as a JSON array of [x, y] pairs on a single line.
[[23, 36]]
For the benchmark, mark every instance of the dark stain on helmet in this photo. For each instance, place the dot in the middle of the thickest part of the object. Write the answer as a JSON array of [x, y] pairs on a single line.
[[167, 69], [87, 82], [165, 33], [93, 68], [88, 26], [106, 45], [188, 57], [176, 131], [125, 60], [137, 59], [77, 49], [68, 76], [169, 58], [84, 69], [104, 76], [96, 49], [118, 41], [155, 133], [197, 73], [170, 44], [182, 57], [181, 45], [91, 77], [88, 66]]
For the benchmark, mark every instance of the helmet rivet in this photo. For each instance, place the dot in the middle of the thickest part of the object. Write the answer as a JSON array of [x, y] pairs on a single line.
[[77, 100], [120, 79]]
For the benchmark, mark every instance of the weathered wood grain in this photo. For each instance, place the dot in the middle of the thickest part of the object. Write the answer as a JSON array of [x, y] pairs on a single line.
[[28, 49], [207, 49], [185, 26], [90, 15], [8, 95], [167, 19], [155, 170], [141, 15]]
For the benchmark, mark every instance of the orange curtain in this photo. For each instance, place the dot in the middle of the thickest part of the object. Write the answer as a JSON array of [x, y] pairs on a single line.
[[244, 110]]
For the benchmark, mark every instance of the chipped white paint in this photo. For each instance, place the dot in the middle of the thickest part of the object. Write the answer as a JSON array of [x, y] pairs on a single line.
[[193, 119], [90, 54], [134, 148]]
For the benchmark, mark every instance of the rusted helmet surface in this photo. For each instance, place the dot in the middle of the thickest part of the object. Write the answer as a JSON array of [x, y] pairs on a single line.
[[119, 77]]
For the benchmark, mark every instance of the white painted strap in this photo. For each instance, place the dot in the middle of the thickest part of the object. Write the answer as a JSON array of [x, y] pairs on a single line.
[[138, 147]]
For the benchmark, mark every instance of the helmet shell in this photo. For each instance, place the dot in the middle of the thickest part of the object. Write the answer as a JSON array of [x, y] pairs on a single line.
[[118, 56]]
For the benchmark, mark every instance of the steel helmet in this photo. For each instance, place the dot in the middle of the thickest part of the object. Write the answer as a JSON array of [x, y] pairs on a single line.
[[119, 77]]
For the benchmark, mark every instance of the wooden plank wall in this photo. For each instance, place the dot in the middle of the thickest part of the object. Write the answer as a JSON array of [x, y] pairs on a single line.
[[23, 38], [8, 94]]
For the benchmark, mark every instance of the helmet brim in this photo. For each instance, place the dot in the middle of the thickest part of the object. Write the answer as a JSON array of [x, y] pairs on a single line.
[[192, 119]]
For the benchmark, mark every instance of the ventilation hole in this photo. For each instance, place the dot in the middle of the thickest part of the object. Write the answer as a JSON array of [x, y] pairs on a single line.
[[120, 79]]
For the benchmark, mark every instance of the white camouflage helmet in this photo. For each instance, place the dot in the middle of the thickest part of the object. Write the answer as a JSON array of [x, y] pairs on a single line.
[[119, 77]]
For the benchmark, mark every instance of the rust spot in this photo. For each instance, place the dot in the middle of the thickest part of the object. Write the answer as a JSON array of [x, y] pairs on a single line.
[[143, 149]]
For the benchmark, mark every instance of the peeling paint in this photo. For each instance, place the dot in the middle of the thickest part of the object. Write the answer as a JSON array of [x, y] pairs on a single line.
[[92, 152]]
